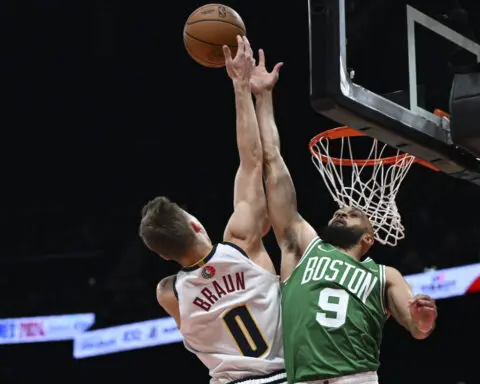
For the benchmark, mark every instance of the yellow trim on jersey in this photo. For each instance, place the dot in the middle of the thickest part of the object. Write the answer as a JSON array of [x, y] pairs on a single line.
[[201, 261], [247, 334]]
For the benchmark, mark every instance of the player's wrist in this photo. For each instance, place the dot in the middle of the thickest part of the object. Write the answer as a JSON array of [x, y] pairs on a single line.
[[264, 94], [241, 85]]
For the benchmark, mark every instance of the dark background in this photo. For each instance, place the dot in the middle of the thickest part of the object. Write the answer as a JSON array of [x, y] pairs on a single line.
[[103, 110]]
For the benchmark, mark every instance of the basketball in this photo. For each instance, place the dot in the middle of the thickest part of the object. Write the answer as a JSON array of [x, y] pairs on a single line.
[[207, 29]]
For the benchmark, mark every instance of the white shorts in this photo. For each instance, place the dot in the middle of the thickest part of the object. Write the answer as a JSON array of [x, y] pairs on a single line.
[[357, 378], [278, 377]]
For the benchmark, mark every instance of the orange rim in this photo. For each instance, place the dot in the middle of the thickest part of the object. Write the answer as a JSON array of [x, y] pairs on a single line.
[[341, 132], [440, 113]]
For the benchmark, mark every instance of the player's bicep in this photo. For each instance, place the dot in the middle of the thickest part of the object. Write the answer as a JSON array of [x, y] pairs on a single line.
[[167, 299], [250, 209], [398, 295], [248, 187], [282, 203], [244, 227], [292, 231]]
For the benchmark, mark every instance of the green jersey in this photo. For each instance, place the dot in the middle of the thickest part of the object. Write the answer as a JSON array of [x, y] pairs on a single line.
[[333, 314]]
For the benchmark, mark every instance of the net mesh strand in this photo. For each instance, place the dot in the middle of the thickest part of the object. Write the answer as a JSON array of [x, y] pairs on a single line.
[[372, 189]]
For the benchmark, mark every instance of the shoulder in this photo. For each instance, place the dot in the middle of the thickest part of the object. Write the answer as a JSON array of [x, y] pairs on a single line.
[[374, 266], [237, 249], [232, 244], [166, 289], [392, 272], [259, 257], [393, 276]]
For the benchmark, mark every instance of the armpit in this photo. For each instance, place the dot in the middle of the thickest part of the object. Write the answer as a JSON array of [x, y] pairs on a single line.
[[291, 241]]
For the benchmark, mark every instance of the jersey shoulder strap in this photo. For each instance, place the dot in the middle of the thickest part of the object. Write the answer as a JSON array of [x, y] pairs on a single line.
[[235, 246]]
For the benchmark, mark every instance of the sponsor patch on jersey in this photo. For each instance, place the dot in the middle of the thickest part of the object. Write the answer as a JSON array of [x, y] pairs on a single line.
[[208, 272]]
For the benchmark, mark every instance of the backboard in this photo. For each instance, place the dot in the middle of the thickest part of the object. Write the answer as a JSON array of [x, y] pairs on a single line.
[[384, 66]]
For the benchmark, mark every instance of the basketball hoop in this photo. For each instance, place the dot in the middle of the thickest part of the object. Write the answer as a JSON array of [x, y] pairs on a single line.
[[370, 184]]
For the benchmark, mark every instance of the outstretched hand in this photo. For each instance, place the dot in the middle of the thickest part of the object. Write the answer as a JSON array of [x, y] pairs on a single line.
[[240, 67], [423, 311], [262, 80]]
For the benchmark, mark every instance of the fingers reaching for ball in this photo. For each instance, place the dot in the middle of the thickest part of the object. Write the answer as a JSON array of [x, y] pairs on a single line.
[[261, 58], [240, 67], [248, 50], [240, 45], [243, 48], [247, 47], [227, 53]]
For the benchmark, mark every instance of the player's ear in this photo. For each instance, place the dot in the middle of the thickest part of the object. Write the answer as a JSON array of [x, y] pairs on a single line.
[[195, 226], [368, 239]]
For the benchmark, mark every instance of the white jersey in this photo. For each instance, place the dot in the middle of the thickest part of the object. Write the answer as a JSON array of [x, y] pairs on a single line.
[[230, 316]]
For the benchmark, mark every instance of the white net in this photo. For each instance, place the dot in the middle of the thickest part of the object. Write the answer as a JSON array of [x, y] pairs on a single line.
[[370, 184]]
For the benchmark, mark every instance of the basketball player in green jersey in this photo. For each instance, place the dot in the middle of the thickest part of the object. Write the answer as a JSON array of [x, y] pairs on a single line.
[[335, 300]]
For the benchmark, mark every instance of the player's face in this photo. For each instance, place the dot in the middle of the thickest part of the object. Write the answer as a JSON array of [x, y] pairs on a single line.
[[348, 217], [347, 228]]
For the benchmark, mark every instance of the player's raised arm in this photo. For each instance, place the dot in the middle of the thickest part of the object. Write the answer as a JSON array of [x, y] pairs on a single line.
[[416, 313], [293, 233], [245, 227]]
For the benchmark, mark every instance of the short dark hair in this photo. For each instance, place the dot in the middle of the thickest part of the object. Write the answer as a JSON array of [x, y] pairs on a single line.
[[165, 228]]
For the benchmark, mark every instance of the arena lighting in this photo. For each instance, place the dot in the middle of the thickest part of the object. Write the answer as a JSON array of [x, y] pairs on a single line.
[[126, 337], [444, 283], [42, 329]]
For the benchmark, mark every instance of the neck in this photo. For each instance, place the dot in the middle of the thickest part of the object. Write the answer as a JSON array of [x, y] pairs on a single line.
[[196, 253], [356, 252]]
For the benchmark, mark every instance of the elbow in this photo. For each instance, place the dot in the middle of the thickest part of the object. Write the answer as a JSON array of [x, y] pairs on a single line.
[[251, 155], [271, 154], [257, 155]]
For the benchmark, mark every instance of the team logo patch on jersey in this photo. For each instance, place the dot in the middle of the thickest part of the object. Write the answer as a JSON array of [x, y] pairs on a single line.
[[208, 272]]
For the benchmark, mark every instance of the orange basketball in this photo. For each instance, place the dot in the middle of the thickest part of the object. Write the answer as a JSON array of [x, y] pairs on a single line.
[[207, 29]]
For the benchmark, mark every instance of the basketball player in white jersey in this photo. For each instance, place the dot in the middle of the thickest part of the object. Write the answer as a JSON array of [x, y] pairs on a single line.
[[226, 297]]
